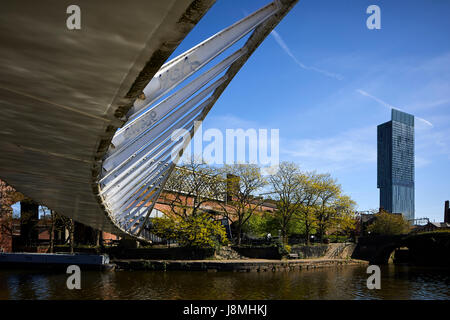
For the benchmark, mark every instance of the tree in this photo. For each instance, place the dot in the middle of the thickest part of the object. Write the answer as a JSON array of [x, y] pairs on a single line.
[[288, 186], [165, 228], [345, 215], [201, 231], [191, 186], [328, 193], [306, 212], [259, 225], [242, 183], [29, 218], [52, 231], [62, 223], [389, 224], [198, 231], [322, 205], [71, 228], [8, 196]]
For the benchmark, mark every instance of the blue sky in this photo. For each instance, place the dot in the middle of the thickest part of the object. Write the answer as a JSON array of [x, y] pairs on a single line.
[[326, 81]]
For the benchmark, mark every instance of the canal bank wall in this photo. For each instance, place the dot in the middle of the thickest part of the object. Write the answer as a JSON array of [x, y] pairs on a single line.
[[250, 265], [330, 251]]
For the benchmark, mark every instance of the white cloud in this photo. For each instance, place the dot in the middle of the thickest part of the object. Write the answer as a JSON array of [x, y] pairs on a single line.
[[346, 151], [387, 105], [286, 49]]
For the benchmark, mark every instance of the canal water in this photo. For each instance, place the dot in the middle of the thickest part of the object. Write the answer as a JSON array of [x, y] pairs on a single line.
[[346, 282]]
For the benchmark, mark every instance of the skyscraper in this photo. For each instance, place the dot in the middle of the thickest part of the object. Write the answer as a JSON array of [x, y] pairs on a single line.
[[395, 177]]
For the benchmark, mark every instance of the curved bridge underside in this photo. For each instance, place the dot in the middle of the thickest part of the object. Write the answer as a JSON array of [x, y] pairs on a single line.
[[64, 94]]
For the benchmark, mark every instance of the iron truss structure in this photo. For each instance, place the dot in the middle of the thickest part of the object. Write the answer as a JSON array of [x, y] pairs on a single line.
[[185, 181]]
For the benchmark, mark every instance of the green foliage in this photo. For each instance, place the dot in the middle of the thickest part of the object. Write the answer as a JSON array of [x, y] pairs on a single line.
[[287, 185], [198, 231], [309, 203], [261, 225], [297, 226], [389, 224], [271, 224], [257, 225], [242, 184], [201, 231], [164, 228], [283, 249]]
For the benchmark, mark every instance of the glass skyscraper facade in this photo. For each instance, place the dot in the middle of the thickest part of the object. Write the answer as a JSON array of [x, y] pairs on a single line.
[[395, 177]]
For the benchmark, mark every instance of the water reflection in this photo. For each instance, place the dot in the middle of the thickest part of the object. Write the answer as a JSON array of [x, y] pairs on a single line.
[[398, 282]]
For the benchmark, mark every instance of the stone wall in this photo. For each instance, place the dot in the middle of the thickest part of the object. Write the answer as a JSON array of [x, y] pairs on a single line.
[[175, 253], [263, 252], [228, 253], [233, 266], [329, 251], [310, 252], [340, 250]]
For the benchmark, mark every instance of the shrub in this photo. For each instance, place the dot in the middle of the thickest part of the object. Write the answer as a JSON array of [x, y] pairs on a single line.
[[282, 249], [389, 224], [199, 231], [164, 228], [256, 226], [288, 248]]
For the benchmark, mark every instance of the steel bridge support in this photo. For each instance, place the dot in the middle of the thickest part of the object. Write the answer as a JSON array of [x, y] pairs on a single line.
[[143, 152]]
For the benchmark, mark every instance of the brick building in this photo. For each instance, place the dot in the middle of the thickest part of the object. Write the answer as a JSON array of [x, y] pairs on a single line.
[[5, 234], [12, 235]]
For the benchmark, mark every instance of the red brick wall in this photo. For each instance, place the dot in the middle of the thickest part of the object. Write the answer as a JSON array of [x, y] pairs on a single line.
[[5, 240], [109, 236], [44, 235]]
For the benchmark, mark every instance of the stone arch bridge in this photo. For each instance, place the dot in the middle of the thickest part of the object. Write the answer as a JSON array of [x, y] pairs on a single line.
[[428, 248]]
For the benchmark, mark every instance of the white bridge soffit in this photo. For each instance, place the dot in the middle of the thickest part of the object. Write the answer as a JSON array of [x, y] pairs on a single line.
[[64, 94]]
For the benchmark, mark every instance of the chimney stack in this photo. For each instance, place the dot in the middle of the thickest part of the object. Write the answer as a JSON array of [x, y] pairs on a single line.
[[447, 212], [232, 186]]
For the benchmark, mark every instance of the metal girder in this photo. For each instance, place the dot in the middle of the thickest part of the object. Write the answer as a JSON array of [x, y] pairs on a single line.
[[140, 124], [183, 66], [142, 154], [133, 146]]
